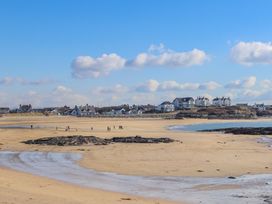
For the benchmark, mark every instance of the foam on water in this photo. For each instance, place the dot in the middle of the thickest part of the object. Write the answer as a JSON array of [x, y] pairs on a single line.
[[63, 167]]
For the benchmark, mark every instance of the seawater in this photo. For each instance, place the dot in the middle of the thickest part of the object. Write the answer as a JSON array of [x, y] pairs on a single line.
[[209, 126]]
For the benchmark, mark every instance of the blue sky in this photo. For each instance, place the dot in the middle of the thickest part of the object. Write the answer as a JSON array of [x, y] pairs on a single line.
[[51, 52]]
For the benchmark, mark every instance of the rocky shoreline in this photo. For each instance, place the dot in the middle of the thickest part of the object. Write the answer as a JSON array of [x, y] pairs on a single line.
[[243, 130], [77, 140]]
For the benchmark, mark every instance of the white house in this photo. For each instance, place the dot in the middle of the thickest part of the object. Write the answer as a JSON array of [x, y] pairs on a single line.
[[4, 110], [121, 111], [183, 103], [259, 107], [223, 101], [166, 107], [202, 102]]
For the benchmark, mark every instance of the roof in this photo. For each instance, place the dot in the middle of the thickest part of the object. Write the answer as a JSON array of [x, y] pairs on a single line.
[[202, 98], [222, 98], [185, 99], [166, 103]]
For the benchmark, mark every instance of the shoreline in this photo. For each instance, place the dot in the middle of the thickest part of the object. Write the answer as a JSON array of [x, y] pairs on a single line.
[[252, 187]]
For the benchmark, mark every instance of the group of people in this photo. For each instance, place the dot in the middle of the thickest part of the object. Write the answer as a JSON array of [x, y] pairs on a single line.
[[120, 127]]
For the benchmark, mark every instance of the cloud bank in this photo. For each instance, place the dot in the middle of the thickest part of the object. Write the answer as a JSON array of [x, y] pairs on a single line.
[[157, 56], [87, 66], [242, 84], [251, 53]]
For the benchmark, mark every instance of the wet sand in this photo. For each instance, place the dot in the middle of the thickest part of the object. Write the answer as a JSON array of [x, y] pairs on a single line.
[[62, 167]]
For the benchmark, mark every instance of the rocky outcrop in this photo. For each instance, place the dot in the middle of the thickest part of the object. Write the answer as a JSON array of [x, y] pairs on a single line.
[[244, 130], [212, 112], [138, 139], [77, 140]]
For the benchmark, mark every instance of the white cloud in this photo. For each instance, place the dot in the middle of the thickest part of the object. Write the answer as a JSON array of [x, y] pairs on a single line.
[[189, 86], [149, 86], [242, 84], [157, 48], [211, 85], [153, 85], [252, 93], [170, 85], [170, 59], [63, 95], [59, 90], [266, 84], [250, 53], [157, 55], [173, 85], [87, 66]]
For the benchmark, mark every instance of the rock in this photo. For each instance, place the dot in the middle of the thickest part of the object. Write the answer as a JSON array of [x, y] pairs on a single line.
[[77, 140], [267, 199], [244, 130], [139, 139], [231, 177]]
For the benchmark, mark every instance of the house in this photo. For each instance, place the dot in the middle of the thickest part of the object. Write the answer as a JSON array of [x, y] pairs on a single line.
[[183, 103], [259, 107], [202, 102], [223, 101], [86, 110], [121, 111], [76, 111], [65, 110], [135, 110], [165, 107], [4, 110], [24, 108]]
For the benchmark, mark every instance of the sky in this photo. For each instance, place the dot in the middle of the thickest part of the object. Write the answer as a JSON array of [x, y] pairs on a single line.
[[108, 52]]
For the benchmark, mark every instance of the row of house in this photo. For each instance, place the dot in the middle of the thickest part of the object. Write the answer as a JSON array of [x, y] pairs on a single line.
[[167, 106], [189, 102]]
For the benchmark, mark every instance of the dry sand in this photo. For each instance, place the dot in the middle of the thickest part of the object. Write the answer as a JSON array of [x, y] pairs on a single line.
[[199, 154]]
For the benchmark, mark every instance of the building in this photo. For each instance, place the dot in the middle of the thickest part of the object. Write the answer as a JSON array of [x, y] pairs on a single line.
[[24, 108], [183, 103], [76, 111], [165, 107], [86, 110], [202, 102], [4, 110], [259, 107], [223, 101]]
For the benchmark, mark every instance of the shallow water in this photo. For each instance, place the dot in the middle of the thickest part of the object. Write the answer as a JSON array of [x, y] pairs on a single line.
[[63, 167], [209, 126]]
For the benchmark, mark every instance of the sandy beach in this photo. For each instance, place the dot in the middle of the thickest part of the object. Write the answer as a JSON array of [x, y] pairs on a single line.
[[195, 154]]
